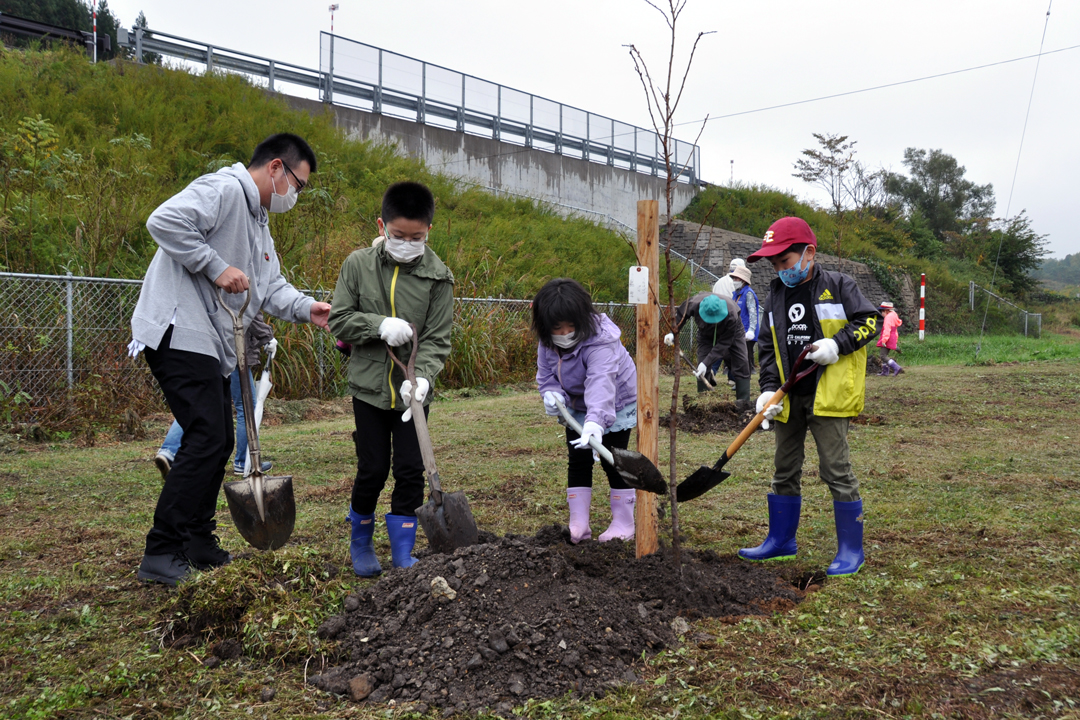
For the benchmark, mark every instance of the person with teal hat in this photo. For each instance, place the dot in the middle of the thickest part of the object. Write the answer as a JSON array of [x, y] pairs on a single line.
[[720, 337]]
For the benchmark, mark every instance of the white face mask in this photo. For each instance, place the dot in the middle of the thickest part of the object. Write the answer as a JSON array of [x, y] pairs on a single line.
[[282, 203], [565, 341], [404, 251]]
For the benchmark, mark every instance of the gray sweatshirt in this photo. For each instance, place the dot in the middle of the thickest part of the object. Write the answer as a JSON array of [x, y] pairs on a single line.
[[213, 223]]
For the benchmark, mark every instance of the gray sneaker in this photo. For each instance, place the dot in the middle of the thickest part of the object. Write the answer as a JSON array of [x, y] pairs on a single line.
[[169, 569], [163, 463]]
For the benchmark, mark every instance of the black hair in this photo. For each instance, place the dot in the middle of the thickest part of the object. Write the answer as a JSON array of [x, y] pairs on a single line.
[[562, 300], [292, 149], [408, 200], [797, 248]]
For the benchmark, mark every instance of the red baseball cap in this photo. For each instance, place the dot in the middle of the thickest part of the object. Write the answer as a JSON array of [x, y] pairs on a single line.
[[782, 234]]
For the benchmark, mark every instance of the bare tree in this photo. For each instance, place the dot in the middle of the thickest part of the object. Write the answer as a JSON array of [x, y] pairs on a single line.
[[828, 167], [865, 187], [662, 100]]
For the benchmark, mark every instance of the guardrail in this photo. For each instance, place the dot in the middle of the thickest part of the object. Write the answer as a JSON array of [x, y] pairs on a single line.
[[143, 42], [381, 81], [355, 74]]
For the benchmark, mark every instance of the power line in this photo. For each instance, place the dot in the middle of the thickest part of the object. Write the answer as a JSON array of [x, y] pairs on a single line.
[[1038, 55], [886, 85], [1012, 186]]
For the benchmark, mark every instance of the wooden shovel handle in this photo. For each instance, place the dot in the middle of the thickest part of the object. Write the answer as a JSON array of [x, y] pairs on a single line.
[[776, 399], [423, 437]]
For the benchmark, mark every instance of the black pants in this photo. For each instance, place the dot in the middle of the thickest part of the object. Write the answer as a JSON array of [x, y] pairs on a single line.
[[579, 468], [200, 401], [377, 432], [750, 352]]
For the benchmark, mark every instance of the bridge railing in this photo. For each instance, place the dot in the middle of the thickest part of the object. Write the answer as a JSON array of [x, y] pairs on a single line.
[[359, 75]]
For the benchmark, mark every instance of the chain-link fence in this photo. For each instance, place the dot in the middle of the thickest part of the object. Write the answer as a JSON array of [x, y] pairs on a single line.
[[58, 333], [63, 335]]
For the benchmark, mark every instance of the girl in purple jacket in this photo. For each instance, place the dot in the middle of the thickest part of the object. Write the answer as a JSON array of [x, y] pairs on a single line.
[[581, 361]]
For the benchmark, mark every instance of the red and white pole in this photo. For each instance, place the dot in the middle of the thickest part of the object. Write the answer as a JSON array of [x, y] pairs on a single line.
[[94, 7], [332, 9], [922, 308]]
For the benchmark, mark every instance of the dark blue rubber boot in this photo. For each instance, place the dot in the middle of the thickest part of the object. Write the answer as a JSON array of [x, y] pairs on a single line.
[[402, 532], [783, 523], [849, 550], [364, 561]]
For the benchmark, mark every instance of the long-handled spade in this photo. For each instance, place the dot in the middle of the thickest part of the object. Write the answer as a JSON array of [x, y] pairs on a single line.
[[446, 517], [705, 478], [262, 507]]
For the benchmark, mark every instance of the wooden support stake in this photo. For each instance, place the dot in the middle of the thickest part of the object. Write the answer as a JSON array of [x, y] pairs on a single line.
[[648, 371]]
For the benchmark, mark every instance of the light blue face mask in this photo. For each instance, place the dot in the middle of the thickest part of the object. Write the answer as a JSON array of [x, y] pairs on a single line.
[[796, 273]]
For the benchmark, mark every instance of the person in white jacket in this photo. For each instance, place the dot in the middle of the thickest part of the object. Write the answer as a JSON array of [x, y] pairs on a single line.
[[211, 236]]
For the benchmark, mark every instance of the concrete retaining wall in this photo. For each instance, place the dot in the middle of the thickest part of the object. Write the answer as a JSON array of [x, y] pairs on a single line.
[[557, 179]]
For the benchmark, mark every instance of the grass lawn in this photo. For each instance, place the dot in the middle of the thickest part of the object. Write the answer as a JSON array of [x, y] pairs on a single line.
[[967, 607]]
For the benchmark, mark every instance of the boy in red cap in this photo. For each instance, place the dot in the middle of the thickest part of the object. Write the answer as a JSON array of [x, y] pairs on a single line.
[[810, 305]]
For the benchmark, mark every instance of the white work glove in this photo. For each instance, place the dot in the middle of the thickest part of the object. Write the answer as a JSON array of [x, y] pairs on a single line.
[[700, 372], [271, 348], [751, 335], [588, 430], [669, 339], [422, 387], [549, 402], [394, 331], [827, 352], [772, 411]]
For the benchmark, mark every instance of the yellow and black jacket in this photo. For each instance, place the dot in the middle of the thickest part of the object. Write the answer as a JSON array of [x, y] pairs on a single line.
[[842, 313]]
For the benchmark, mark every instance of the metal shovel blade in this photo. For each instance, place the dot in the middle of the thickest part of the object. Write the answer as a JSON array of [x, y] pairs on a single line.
[[449, 525], [272, 527], [700, 482], [638, 471]]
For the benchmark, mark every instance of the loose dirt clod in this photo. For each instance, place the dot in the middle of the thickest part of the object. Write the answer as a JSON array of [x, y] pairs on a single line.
[[708, 413], [533, 617]]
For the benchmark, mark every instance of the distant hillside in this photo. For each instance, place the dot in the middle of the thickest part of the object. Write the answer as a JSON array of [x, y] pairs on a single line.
[[88, 151]]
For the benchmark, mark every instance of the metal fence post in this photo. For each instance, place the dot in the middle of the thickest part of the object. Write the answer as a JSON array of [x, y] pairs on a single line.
[[1025, 323], [138, 44], [971, 294], [461, 110], [376, 106], [423, 94], [209, 59], [497, 129], [70, 332], [328, 96], [271, 76], [529, 130], [558, 138], [585, 145]]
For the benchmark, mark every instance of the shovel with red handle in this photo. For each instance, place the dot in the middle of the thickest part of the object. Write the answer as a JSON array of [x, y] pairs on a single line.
[[705, 478]]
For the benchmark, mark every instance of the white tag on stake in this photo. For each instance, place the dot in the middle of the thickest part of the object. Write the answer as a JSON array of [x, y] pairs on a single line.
[[639, 285]]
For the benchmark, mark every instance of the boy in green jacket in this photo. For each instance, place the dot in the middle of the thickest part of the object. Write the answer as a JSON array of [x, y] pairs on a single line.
[[380, 290], [808, 304]]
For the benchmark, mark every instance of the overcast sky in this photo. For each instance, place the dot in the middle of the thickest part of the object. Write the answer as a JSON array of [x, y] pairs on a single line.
[[763, 53]]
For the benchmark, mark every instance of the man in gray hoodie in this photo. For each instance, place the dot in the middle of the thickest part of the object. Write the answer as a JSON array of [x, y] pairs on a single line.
[[213, 234]]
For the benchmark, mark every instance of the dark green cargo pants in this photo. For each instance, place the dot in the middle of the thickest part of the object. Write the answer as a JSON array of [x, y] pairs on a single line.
[[834, 458]]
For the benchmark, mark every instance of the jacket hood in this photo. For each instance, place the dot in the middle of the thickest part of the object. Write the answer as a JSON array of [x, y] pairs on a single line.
[[251, 191]]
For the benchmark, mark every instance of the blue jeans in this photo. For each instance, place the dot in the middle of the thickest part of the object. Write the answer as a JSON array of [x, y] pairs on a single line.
[[171, 444]]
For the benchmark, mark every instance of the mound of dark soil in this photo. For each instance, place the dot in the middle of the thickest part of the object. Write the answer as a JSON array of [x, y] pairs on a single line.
[[530, 617], [706, 413]]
